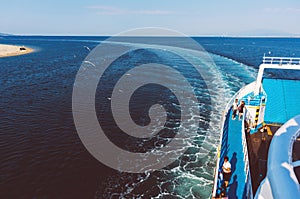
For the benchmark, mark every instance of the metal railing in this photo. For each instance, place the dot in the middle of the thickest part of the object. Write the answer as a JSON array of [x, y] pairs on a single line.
[[248, 181], [244, 142], [281, 60]]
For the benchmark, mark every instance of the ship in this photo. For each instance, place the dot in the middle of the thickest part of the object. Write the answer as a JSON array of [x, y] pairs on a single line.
[[263, 145]]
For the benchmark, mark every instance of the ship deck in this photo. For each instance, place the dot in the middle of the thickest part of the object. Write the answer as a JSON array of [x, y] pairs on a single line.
[[283, 97], [271, 102], [258, 147], [232, 147]]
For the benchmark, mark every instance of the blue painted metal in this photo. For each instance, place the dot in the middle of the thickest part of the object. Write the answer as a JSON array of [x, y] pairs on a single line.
[[233, 148], [283, 100], [253, 100]]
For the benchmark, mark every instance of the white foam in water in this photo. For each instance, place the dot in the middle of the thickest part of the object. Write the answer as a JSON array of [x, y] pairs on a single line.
[[193, 177]]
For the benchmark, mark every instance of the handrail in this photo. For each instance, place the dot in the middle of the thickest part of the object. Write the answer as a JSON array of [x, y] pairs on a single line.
[[246, 160], [281, 63], [281, 60], [245, 149]]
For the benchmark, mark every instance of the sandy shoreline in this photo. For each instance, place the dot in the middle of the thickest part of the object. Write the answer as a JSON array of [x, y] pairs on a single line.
[[12, 50]]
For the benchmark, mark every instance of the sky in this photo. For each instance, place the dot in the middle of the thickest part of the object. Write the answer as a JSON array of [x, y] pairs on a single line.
[[110, 17]]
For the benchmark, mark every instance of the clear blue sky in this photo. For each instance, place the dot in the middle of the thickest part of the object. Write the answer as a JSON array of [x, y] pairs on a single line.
[[109, 17]]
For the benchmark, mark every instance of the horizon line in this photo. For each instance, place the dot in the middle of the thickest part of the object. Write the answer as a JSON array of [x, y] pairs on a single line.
[[192, 35]]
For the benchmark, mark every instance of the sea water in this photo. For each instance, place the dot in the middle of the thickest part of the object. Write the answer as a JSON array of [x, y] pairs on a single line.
[[41, 153]]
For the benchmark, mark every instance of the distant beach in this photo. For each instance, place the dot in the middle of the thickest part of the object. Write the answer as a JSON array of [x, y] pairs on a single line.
[[12, 50]]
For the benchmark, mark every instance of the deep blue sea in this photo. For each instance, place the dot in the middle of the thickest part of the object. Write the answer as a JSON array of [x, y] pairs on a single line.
[[41, 153]]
